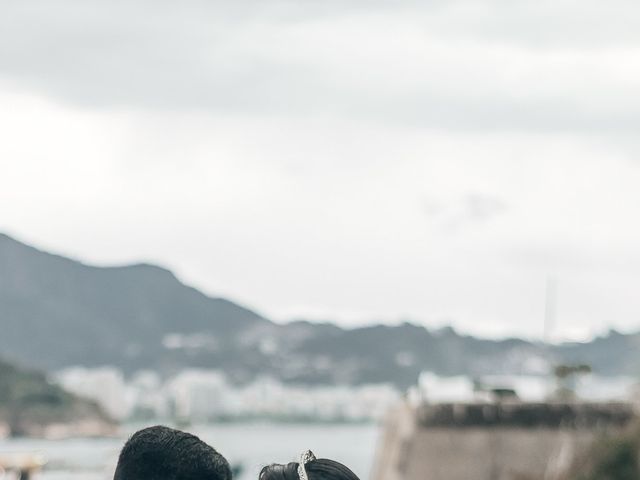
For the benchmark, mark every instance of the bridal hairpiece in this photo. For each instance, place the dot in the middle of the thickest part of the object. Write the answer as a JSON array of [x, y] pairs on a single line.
[[306, 457]]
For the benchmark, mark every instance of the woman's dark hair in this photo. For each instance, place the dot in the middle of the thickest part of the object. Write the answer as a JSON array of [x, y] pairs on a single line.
[[319, 469]]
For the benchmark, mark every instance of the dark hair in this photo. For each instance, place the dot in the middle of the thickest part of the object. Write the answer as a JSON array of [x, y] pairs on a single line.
[[162, 453], [319, 469]]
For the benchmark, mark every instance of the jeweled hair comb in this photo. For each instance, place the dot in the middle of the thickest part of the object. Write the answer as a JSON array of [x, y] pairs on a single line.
[[306, 457]]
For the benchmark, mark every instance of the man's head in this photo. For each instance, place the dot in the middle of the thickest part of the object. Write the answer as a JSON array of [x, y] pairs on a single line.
[[162, 453]]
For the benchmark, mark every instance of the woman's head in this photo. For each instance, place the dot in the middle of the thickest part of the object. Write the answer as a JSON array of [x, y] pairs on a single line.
[[317, 469]]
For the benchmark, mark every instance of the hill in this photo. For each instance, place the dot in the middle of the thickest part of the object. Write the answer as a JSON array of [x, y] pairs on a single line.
[[56, 312], [29, 404]]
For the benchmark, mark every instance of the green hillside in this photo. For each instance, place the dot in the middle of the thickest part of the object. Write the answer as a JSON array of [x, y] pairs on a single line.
[[29, 402]]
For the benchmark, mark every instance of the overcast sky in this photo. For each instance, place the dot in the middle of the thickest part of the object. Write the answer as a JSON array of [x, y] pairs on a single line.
[[350, 160]]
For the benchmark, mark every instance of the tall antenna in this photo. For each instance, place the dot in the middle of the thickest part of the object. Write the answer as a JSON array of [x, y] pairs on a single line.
[[551, 300]]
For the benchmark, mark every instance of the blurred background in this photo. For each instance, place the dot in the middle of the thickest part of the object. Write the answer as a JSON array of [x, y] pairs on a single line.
[[268, 222]]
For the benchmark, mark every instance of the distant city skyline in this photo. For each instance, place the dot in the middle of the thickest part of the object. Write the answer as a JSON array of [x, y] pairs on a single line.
[[357, 162]]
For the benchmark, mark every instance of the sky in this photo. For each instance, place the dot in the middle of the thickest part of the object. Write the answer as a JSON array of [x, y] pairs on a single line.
[[352, 161]]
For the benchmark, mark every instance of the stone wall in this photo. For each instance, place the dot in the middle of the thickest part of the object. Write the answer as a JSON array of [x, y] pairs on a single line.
[[491, 441]]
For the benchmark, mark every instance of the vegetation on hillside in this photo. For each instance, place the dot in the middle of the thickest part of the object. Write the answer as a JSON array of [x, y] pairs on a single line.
[[611, 457], [29, 401]]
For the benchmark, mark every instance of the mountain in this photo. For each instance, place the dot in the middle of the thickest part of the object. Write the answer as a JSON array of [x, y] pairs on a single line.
[[56, 312], [29, 404]]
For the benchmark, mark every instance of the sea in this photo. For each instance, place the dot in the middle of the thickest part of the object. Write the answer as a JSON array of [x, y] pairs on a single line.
[[248, 446]]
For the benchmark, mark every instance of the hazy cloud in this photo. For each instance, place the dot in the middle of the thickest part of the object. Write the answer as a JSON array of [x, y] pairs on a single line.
[[472, 208], [343, 159], [459, 65]]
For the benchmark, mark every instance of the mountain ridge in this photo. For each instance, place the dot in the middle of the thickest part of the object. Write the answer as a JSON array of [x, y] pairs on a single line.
[[57, 312]]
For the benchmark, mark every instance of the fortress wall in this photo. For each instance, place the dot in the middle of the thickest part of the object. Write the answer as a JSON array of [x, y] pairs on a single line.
[[493, 454], [411, 450]]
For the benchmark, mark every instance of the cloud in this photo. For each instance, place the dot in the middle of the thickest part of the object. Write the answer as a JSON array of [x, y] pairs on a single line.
[[472, 208], [280, 152], [482, 207], [459, 65], [301, 217]]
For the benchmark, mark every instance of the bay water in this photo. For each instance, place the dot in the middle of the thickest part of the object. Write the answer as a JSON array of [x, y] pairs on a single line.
[[250, 446]]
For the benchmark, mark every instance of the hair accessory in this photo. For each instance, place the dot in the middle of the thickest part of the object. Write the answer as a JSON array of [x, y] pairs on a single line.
[[306, 457]]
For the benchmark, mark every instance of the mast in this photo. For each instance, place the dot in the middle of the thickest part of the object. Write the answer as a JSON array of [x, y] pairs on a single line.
[[550, 306]]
